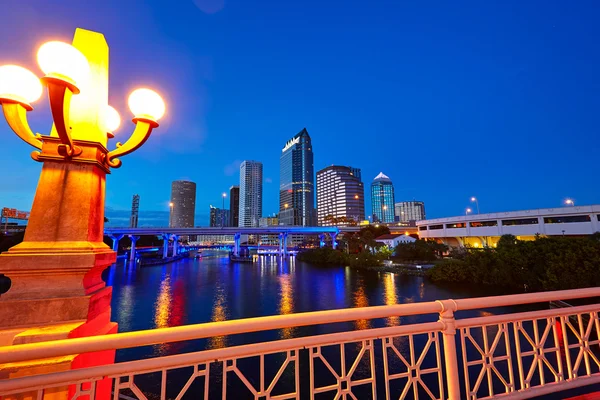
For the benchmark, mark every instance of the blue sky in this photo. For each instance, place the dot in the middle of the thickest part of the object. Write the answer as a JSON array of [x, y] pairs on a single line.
[[494, 99]]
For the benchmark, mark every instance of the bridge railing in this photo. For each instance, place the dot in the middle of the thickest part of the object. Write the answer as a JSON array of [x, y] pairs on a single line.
[[513, 355]]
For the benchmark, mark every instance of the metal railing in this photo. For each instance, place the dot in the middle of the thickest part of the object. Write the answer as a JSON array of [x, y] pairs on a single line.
[[515, 355]]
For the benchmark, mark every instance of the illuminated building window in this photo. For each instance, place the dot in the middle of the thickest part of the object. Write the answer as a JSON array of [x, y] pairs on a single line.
[[456, 225], [480, 224]]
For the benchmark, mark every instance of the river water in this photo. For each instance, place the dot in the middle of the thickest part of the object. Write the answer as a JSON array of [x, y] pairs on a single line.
[[192, 291]]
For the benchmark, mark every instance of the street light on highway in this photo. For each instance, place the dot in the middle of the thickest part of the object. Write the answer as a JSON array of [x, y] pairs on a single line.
[[223, 210], [570, 202], [468, 211], [474, 200]]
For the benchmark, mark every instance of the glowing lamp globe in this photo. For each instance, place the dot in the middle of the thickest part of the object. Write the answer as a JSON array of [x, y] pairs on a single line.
[[63, 61], [19, 85], [110, 120], [146, 104]]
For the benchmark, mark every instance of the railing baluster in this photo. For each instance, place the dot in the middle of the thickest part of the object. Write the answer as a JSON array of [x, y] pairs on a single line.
[[450, 359]]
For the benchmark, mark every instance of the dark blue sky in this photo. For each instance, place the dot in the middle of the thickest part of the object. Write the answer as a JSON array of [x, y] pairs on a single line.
[[494, 99]]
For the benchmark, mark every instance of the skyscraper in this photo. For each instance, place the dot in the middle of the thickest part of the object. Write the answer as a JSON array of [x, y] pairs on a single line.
[[407, 211], [251, 177], [382, 199], [356, 172], [183, 204], [297, 181], [219, 217], [234, 206], [135, 207], [340, 196]]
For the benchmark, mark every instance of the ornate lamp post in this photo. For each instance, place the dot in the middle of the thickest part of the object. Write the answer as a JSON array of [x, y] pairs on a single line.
[[55, 273]]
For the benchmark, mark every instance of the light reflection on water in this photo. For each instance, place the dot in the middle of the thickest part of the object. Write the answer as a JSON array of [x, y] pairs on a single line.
[[391, 296], [213, 289]]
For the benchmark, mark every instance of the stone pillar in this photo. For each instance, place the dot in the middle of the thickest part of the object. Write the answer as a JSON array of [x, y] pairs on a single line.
[[134, 240], [165, 239], [115, 239]]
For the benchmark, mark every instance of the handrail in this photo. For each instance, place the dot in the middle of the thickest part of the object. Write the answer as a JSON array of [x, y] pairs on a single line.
[[63, 347], [155, 364], [33, 351]]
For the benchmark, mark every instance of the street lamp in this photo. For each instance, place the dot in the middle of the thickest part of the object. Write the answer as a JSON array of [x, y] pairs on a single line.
[[468, 211], [223, 210], [63, 249], [171, 214], [570, 202], [474, 200]]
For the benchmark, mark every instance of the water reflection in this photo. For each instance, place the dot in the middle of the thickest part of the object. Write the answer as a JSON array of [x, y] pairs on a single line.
[[361, 300], [194, 291], [219, 314], [286, 303], [163, 303], [390, 296]]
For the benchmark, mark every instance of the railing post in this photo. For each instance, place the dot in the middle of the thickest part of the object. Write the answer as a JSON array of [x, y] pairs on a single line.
[[450, 357]]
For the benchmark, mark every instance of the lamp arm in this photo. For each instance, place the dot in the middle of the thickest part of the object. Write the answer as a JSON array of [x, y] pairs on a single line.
[[60, 94], [142, 132], [16, 116]]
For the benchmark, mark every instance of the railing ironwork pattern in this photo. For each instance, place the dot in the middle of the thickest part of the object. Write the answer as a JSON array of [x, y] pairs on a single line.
[[516, 355]]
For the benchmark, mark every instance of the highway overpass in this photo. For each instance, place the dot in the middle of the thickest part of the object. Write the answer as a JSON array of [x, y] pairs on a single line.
[[480, 230]]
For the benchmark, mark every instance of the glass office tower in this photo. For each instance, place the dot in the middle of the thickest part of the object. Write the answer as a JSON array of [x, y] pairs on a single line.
[[382, 199], [251, 178], [234, 206], [297, 181]]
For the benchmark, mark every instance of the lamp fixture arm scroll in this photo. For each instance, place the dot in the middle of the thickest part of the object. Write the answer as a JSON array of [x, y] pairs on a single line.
[[143, 129], [16, 116], [60, 93]]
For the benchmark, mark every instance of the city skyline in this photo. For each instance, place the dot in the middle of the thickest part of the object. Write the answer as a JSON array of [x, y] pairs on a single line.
[[503, 92]]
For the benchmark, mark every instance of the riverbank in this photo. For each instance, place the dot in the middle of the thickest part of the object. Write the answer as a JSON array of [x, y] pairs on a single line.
[[327, 257], [547, 263]]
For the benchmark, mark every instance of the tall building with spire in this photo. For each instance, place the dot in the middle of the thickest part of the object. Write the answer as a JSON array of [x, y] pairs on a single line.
[[251, 179], [382, 199], [297, 182]]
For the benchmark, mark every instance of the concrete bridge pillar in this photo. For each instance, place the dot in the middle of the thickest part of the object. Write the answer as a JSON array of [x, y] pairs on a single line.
[[236, 244], [115, 239], [334, 239], [322, 240], [285, 244], [134, 239], [175, 245], [280, 244], [165, 239]]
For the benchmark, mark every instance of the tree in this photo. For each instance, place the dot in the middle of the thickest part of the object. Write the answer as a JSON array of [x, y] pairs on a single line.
[[507, 241]]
